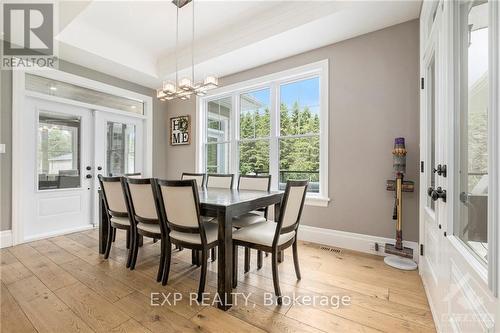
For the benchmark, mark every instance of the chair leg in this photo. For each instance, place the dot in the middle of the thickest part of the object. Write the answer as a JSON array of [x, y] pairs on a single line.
[[276, 282], [296, 259], [259, 259], [235, 266], [280, 256], [203, 277], [193, 257], [247, 260], [213, 254], [155, 240], [135, 250], [131, 237], [141, 240], [109, 241], [159, 276], [114, 234], [198, 263], [127, 243], [166, 265]]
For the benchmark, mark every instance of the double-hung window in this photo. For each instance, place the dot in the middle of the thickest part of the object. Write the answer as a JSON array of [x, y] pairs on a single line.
[[275, 125]]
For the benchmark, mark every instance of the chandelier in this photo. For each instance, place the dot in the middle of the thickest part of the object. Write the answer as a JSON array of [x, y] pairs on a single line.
[[185, 87]]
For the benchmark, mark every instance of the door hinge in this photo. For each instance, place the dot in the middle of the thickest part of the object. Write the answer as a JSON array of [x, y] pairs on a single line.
[[422, 83], [421, 249], [422, 166]]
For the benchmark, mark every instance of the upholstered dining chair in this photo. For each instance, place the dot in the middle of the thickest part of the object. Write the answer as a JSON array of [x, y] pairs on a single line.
[[144, 217], [178, 206], [216, 180], [116, 207], [199, 177], [256, 183], [275, 237]]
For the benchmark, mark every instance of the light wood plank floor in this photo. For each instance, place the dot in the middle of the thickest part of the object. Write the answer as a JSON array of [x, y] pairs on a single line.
[[62, 284]]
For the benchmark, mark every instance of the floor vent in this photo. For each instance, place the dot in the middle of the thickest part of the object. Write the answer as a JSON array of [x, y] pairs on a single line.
[[331, 249]]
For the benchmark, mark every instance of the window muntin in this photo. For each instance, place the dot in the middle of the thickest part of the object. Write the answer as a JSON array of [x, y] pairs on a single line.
[[251, 150]]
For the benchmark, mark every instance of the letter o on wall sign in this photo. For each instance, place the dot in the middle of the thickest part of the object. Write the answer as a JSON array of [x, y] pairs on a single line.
[[180, 130]]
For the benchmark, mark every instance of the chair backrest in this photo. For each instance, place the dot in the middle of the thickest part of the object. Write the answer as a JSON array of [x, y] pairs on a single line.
[[113, 195], [141, 199], [220, 180], [257, 183], [199, 177], [179, 206], [133, 175], [291, 207]]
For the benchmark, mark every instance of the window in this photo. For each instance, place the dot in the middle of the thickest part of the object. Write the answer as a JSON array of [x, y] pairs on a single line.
[[472, 148], [275, 125], [120, 149]]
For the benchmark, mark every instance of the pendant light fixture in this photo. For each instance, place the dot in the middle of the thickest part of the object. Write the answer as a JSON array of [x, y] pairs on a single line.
[[185, 87]]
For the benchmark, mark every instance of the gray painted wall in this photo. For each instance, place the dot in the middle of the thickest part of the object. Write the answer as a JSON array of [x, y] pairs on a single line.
[[160, 133], [373, 98]]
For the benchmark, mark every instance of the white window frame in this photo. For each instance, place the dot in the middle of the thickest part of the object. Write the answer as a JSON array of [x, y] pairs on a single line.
[[272, 82]]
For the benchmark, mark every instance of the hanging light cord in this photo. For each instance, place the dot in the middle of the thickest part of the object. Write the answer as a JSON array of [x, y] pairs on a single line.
[[176, 43], [192, 51]]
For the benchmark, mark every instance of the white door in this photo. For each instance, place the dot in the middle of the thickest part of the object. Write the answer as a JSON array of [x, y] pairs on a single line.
[[458, 265], [433, 141], [57, 185]]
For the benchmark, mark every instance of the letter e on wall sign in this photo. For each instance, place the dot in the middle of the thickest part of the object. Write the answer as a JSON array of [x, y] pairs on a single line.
[[180, 130]]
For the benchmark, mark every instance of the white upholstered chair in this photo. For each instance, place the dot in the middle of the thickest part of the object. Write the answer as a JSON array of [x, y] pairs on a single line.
[[144, 217], [179, 208], [275, 237], [220, 180], [116, 207], [254, 183], [199, 177]]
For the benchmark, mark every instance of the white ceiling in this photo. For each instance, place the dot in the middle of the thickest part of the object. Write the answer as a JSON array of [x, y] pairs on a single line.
[[135, 40]]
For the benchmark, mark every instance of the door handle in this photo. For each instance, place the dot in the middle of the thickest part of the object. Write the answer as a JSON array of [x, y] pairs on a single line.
[[436, 194]]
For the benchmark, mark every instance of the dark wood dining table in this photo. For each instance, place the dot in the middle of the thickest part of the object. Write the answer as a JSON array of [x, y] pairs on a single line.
[[224, 204]]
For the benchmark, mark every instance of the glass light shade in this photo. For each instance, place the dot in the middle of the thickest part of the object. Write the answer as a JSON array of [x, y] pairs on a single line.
[[160, 94], [185, 84], [211, 82], [169, 87]]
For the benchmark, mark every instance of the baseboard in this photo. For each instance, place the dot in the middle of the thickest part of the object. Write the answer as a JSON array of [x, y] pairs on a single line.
[[350, 241], [57, 233], [5, 238]]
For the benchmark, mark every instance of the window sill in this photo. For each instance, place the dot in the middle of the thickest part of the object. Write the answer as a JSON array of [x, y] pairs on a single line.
[[313, 200]]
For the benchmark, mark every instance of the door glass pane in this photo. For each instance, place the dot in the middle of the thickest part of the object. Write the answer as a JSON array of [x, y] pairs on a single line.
[[431, 96], [473, 144], [217, 157], [299, 159], [255, 120], [58, 157], [254, 157], [120, 150], [299, 107]]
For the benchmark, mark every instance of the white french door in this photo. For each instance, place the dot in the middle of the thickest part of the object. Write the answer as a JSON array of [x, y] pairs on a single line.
[[64, 149], [459, 107], [57, 153]]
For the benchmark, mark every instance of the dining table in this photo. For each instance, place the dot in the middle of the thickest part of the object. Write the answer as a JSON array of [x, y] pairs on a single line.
[[222, 204]]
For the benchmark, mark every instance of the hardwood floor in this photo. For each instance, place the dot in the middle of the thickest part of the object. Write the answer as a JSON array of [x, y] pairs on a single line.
[[61, 284]]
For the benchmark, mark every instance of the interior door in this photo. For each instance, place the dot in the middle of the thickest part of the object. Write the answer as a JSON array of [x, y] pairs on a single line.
[[57, 153]]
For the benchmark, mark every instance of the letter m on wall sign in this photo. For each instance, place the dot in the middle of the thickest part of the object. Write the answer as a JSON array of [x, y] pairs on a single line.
[[28, 29]]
